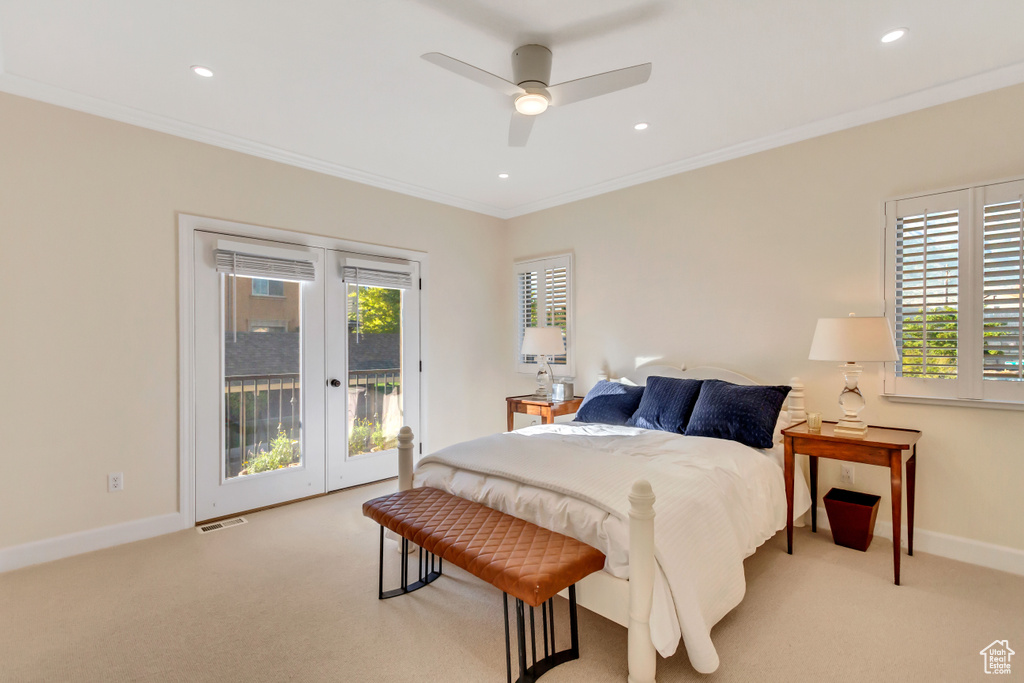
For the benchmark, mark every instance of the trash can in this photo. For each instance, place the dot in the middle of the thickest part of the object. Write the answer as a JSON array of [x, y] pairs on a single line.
[[851, 515]]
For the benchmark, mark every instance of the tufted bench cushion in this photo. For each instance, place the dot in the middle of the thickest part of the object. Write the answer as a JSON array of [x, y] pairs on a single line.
[[522, 559]]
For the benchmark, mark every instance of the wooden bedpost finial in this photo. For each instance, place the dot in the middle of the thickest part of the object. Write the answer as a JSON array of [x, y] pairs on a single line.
[[641, 500], [405, 435], [642, 655], [405, 447], [797, 412]]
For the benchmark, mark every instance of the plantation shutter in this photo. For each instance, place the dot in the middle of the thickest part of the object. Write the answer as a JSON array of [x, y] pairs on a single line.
[[955, 294], [1003, 308], [544, 298], [927, 294], [528, 305]]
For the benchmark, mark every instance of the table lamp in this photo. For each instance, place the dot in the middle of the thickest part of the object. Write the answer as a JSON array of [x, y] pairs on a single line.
[[852, 340], [543, 342]]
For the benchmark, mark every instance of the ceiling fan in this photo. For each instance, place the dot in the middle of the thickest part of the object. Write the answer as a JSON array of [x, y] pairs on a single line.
[[531, 72]]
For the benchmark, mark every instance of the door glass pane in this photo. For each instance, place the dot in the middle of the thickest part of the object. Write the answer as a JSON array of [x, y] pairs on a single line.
[[374, 368], [262, 381]]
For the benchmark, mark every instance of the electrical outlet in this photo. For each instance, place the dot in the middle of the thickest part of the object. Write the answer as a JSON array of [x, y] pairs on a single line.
[[846, 473], [115, 482]]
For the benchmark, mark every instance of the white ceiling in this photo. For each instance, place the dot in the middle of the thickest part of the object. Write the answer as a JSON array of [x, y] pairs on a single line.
[[338, 85]]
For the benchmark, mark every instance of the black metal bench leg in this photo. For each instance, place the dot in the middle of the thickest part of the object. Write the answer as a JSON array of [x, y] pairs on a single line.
[[552, 657], [508, 648], [425, 570]]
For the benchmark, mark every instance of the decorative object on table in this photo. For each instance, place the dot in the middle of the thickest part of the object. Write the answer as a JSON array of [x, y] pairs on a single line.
[[543, 342], [562, 389], [853, 340], [814, 422], [851, 516]]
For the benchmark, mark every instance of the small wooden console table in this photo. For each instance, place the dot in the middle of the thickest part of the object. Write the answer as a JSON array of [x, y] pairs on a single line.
[[548, 410], [880, 446]]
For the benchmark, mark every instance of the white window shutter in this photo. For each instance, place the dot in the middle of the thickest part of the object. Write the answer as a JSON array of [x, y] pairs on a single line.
[[927, 294], [544, 298]]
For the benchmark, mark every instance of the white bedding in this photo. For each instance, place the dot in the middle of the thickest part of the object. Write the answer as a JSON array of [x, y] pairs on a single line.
[[717, 501]]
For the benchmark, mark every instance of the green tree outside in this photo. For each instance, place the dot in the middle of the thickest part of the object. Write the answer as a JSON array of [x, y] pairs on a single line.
[[380, 310]]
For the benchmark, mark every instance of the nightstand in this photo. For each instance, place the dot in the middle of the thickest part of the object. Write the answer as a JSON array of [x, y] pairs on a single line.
[[880, 446], [548, 410]]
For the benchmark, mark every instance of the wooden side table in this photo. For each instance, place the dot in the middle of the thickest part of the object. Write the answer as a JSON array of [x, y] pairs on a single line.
[[548, 410], [880, 446]]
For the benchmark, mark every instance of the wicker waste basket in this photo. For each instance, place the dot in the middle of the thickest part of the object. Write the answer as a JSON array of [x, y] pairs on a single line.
[[851, 515]]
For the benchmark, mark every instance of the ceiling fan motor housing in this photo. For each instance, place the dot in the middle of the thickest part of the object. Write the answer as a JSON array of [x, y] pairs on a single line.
[[531, 66]]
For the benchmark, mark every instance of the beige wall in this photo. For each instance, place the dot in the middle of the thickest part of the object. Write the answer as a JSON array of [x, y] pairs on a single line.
[[89, 304], [728, 265], [731, 265]]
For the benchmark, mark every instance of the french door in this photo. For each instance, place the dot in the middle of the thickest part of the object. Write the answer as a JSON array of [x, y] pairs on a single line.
[[306, 366], [373, 331]]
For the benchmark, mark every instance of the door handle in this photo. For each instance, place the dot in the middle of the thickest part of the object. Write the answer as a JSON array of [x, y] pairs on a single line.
[[335, 383]]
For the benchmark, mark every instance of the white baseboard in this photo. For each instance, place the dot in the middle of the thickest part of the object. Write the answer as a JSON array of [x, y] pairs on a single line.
[[59, 547], [983, 554]]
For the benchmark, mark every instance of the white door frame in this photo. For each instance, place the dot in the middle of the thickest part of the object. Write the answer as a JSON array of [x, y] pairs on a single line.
[[187, 226]]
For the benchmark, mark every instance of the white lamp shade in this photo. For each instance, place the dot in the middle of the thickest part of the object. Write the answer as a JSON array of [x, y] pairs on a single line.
[[543, 341], [853, 340]]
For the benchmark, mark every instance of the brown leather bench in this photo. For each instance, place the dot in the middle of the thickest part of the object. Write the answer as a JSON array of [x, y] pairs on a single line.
[[529, 562]]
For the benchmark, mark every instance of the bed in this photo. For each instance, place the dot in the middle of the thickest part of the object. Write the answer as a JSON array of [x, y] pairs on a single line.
[[667, 581]]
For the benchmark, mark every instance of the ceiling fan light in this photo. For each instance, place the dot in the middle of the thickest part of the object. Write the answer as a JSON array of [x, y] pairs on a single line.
[[531, 104]]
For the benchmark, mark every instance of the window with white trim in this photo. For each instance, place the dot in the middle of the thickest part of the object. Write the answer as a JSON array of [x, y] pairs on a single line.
[[262, 287], [954, 280], [544, 298]]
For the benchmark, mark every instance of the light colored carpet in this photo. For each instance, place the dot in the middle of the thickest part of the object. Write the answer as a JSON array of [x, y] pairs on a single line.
[[291, 596]]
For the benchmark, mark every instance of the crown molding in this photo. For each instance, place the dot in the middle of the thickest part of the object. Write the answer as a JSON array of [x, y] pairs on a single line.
[[947, 92], [25, 87]]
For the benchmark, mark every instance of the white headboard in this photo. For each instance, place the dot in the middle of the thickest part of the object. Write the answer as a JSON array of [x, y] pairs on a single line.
[[795, 401]]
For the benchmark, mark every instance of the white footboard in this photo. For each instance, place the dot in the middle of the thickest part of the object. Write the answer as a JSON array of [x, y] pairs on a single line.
[[642, 655]]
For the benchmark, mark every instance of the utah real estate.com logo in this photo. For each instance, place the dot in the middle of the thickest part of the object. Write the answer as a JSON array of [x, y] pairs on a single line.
[[997, 657]]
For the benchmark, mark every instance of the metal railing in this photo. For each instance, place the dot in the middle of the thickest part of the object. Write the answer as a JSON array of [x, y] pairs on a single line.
[[255, 408], [374, 386]]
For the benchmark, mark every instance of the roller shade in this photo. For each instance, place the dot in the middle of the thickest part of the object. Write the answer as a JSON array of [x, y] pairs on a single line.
[[252, 265], [375, 277]]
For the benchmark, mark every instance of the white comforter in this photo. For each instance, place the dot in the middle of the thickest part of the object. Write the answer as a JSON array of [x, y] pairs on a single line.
[[717, 501]]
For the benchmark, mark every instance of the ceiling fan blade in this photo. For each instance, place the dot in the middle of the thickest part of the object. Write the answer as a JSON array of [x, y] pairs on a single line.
[[519, 129], [599, 84], [472, 73]]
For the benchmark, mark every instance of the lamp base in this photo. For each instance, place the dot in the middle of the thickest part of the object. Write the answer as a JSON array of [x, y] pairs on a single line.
[[543, 391], [852, 402], [851, 429]]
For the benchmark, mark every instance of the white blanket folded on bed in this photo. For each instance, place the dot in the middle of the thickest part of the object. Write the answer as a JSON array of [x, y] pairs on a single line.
[[717, 501]]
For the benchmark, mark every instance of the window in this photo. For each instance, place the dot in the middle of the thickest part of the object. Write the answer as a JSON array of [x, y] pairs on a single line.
[[262, 287], [954, 275], [544, 298]]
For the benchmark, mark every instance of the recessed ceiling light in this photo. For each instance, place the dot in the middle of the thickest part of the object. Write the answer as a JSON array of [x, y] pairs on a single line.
[[640, 126], [203, 71], [894, 35], [503, 175]]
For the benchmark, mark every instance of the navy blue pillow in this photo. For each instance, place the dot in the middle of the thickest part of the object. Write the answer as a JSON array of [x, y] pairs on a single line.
[[666, 404], [738, 413], [609, 403]]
